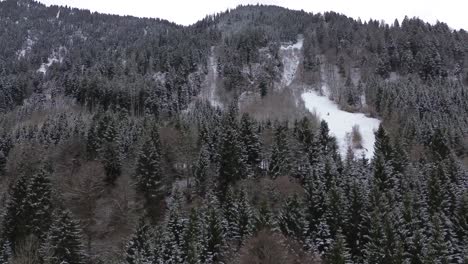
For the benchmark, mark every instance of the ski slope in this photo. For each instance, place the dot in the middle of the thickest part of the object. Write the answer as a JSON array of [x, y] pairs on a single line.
[[341, 123]]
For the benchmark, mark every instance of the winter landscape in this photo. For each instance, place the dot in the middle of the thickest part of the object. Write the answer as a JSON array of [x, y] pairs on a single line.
[[259, 134]]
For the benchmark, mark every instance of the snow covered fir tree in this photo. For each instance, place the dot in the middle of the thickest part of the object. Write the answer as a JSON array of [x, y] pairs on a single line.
[[256, 135]]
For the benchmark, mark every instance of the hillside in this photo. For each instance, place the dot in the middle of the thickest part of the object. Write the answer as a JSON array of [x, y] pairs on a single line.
[[256, 135]]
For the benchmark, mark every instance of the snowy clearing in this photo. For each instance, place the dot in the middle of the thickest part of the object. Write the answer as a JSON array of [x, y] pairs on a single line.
[[55, 57], [341, 123], [290, 57], [210, 93]]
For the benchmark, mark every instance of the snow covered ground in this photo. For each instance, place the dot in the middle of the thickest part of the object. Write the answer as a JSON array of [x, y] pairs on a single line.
[[290, 57], [53, 58], [210, 93], [341, 123]]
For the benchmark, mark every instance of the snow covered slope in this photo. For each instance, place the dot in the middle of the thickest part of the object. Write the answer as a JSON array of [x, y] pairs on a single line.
[[341, 123], [290, 57], [210, 91]]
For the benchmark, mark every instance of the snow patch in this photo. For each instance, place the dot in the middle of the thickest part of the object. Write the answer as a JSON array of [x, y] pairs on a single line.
[[27, 46], [55, 57], [341, 123], [209, 93], [290, 57], [58, 14]]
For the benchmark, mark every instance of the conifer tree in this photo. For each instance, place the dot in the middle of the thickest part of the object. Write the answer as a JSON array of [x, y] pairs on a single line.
[[6, 252], [203, 173], [148, 173], [63, 242], [280, 156], [263, 218], [231, 155], [112, 162], [291, 219], [92, 143], [315, 206], [15, 218], [251, 143], [3, 161], [213, 241], [175, 229], [140, 248], [38, 203], [245, 217], [338, 253], [192, 244]]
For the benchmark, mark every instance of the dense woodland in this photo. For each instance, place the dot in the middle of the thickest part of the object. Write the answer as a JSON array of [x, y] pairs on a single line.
[[109, 155]]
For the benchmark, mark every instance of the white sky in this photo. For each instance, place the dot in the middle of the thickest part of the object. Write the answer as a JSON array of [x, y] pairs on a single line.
[[452, 12]]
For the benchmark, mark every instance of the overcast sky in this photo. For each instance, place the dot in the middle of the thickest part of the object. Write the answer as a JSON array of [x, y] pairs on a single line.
[[186, 12]]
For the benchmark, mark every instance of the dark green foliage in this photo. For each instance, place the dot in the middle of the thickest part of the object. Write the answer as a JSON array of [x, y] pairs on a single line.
[[251, 144], [115, 78], [63, 241], [280, 156], [38, 203], [148, 172], [232, 165], [112, 163]]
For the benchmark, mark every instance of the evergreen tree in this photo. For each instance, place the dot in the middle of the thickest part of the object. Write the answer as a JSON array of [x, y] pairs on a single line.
[[15, 217], [192, 244], [203, 172], [213, 241], [263, 218], [231, 166], [338, 253], [140, 248], [38, 203], [3, 161], [280, 156], [175, 229], [112, 163], [245, 217], [251, 143], [149, 174], [291, 219], [6, 252], [93, 143], [63, 243]]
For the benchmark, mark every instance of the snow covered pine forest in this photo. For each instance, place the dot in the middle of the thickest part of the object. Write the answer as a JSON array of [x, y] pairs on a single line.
[[257, 135]]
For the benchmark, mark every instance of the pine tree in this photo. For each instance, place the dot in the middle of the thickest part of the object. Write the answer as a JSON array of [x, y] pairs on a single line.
[[355, 221], [63, 243], [244, 218], [203, 172], [3, 161], [291, 219], [192, 244], [149, 174], [315, 206], [325, 140], [232, 162], [251, 143], [93, 143], [213, 246], [263, 218], [15, 218], [140, 248], [322, 239], [338, 253], [6, 252], [175, 229], [230, 213], [38, 203], [280, 156], [112, 163]]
